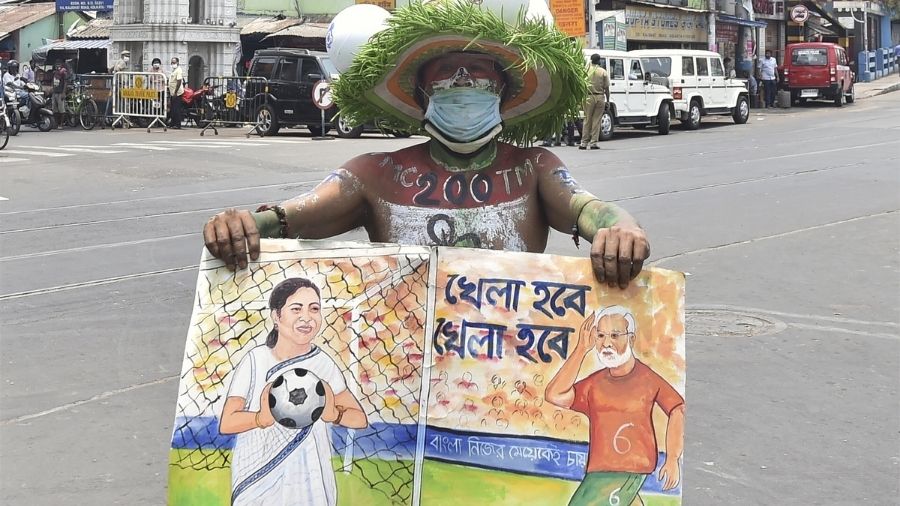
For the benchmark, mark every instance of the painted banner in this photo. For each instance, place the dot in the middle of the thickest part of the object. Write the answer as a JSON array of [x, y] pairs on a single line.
[[461, 376], [671, 25], [569, 16]]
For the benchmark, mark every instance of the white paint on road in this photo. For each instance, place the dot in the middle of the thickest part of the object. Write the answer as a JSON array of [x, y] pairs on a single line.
[[91, 151], [135, 145], [37, 152], [97, 397], [95, 247], [658, 261], [822, 152], [162, 197], [95, 282], [13, 160]]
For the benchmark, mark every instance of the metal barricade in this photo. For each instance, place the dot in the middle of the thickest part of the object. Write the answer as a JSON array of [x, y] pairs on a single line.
[[233, 101], [140, 95]]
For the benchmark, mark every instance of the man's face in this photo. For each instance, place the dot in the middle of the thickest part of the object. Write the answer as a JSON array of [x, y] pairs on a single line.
[[300, 319], [460, 70], [768, 54], [612, 338]]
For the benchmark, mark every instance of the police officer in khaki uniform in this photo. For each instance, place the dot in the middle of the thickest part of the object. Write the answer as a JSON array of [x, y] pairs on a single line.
[[595, 104]]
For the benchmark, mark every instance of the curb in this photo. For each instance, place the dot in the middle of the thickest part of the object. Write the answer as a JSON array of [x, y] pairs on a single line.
[[893, 87]]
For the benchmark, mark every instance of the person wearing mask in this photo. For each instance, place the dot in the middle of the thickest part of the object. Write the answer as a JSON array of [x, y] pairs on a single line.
[[768, 69], [595, 104], [60, 84], [27, 73], [123, 64], [176, 89]]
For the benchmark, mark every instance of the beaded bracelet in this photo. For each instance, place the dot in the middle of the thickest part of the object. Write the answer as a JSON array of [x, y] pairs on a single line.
[[282, 218]]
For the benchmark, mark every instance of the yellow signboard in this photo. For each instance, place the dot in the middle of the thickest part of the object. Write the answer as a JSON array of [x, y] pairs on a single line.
[[669, 25], [384, 4], [569, 16], [139, 93]]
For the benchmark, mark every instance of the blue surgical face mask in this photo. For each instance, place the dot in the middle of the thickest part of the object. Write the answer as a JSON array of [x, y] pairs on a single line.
[[464, 114]]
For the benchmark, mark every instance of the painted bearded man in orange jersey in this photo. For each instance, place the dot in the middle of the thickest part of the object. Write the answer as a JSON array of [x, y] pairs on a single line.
[[618, 401]]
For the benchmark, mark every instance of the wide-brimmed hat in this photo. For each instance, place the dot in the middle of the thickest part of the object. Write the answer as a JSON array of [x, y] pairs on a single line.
[[547, 78]]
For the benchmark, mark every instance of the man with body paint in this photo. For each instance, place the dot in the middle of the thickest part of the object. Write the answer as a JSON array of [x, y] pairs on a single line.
[[467, 86], [618, 401]]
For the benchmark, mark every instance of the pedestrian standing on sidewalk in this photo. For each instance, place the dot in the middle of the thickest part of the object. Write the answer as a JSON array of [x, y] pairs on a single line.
[[176, 90], [768, 69], [122, 65], [28, 72], [753, 88], [598, 89], [60, 84]]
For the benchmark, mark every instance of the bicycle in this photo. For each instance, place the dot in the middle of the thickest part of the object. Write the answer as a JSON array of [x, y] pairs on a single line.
[[81, 107]]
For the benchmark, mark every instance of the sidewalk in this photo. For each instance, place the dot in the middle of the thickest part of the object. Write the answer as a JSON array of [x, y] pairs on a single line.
[[881, 86]]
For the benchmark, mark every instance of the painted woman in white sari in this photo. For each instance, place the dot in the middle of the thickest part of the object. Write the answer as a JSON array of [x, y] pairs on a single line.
[[273, 465]]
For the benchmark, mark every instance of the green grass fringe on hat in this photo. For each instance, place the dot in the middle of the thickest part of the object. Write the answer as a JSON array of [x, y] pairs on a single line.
[[541, 46]]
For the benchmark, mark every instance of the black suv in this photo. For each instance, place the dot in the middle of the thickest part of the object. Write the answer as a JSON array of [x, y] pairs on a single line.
[[292, 73]]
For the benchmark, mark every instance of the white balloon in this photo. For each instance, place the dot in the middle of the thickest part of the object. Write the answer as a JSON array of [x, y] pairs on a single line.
[[351, 29], [538, 10]]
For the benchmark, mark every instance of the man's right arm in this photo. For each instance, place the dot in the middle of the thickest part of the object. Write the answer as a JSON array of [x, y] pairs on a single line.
[[337, 205], [561, 389]]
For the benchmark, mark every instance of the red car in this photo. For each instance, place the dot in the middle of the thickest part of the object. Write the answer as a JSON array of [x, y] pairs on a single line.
[[818, 70]]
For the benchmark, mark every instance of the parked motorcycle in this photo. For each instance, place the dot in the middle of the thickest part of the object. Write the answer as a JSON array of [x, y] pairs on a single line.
[[32, 108], [9, 110], [196, 108], [4, 122]]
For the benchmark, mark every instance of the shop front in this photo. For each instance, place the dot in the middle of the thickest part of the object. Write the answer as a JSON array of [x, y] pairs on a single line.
[[665, 28]]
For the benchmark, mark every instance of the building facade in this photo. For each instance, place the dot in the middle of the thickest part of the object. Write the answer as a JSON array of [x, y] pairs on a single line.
[[203, 34]]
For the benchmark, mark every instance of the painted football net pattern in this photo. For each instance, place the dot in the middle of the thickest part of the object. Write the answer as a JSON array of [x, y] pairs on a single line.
[[373, 321]]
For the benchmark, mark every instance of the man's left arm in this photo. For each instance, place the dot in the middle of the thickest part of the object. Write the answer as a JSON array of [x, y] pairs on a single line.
[[673, 404], [619, 245]]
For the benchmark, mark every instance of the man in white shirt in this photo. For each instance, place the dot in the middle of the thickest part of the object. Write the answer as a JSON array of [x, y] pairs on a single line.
[[768, 69]]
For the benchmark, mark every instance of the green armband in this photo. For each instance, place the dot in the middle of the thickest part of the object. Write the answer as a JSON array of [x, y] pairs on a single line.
[[271, 222]]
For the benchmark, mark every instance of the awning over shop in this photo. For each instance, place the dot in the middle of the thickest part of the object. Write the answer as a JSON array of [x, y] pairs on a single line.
[[268, 26], [305, 30], [96, 29], [835, 25], [725, 18], [40, 54]]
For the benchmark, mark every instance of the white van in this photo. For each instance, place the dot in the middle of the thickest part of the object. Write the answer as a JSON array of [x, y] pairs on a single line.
[[698, 83], [634, 101]]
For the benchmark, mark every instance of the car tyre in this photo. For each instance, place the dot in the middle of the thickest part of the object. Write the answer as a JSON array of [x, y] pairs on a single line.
[[267, 120], [694, 114], [851, 96], [345, 131], [839, 98], [663, 120], [741, 111], [607, 126]]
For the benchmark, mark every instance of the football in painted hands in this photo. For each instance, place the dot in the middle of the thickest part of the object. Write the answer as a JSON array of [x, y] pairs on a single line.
[[297, 398]]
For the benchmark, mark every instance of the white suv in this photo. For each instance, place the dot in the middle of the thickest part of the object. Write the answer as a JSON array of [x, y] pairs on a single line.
[[634, 100], [698, 83]]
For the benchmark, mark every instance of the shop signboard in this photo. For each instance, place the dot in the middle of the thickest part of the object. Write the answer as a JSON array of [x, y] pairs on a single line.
[[84, 5], [665, 25]]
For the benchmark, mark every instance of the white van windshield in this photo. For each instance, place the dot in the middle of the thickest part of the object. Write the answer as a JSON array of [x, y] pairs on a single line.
[[658, 66]]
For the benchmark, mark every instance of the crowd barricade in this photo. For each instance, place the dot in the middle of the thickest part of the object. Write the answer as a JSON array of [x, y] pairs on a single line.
[[140, 95], [233, 101]]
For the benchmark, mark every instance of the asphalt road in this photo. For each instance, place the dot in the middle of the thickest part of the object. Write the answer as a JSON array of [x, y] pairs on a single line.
[[789, 227]]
